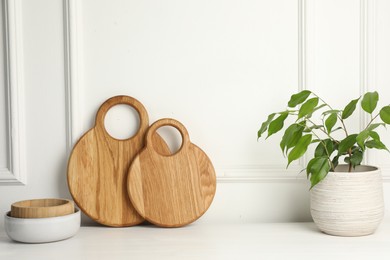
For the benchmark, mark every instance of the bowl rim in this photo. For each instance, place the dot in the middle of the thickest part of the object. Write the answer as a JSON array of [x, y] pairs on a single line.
[[42, 208], [7, 215], [66, 201]]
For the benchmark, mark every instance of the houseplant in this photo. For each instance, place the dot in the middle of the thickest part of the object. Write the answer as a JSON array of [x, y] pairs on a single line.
[[346, 199]]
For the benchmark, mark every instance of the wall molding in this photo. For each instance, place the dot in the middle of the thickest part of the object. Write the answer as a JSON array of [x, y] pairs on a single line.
[[369, 71], [364, 69], [302, 75], [72, 70], [228, 174], [261, 174], [15, 171], [367, 55], [302, 45]]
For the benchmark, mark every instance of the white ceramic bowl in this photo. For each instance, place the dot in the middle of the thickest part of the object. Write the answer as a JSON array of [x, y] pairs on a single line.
[[42, 230]]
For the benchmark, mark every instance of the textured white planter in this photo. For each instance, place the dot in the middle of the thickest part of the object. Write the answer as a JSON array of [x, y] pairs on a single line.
[[348, 203]]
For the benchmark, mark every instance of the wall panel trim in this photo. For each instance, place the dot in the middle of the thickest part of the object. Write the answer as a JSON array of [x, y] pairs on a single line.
[[364, 119], [368, 33], [72, 69], [74, 82], [15, 171]]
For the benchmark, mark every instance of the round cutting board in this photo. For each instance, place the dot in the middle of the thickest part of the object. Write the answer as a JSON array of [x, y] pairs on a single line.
[[98, 168], [171, 190]]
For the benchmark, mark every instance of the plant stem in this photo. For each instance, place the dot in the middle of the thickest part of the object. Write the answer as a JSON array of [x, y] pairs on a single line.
[[322, 100], [323, 144], [372, 119], [350, 155], [344, 127], [322, 131], [338, 116]]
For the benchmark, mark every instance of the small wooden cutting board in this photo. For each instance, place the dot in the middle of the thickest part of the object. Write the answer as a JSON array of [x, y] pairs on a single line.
[[98, 168], [173, 190]]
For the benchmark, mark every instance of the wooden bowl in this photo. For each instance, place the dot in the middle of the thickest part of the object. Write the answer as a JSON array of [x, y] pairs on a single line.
[[42, 208]]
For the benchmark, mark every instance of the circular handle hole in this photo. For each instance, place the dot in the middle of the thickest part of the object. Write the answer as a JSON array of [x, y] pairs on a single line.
[[172, 138], [122, 122]]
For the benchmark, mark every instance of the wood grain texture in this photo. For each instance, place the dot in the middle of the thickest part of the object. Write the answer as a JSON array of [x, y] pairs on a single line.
[[42, 208], [174, 190], [98, 168], [348, 203]]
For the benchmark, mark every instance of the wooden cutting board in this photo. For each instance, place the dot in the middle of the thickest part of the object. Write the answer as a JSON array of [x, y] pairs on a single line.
[[99, 164], [174, 190]]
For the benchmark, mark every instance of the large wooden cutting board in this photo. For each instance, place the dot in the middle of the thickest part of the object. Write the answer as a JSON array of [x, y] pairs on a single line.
[[98, 168], [174, 190]]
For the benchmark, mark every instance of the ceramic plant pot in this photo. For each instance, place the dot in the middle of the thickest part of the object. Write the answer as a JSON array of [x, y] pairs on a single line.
[[348, 203]]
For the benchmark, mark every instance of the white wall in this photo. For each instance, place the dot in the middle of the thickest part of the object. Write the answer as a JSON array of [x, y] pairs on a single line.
[[220, 67]]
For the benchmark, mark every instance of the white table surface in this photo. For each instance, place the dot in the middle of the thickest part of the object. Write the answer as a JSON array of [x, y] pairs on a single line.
[[205, 241]]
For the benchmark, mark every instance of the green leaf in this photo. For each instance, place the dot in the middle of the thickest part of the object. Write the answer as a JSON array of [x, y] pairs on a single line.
[[302, 123], [309, 129], [299, 149], [376, 144], [374, 135], [264, 125], [348, 110], [356, 158], [347, 160], [291, 136], [335, 161], [318, 169], [336, 129], [318, 108], [347, 143], [332, 111], [369, 102], [277, 124], [308, 107], [298, 98], [363, 135], [385, 114], [330, 122], [326, 150], [308, 167], [373, 126], [361, 138]]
